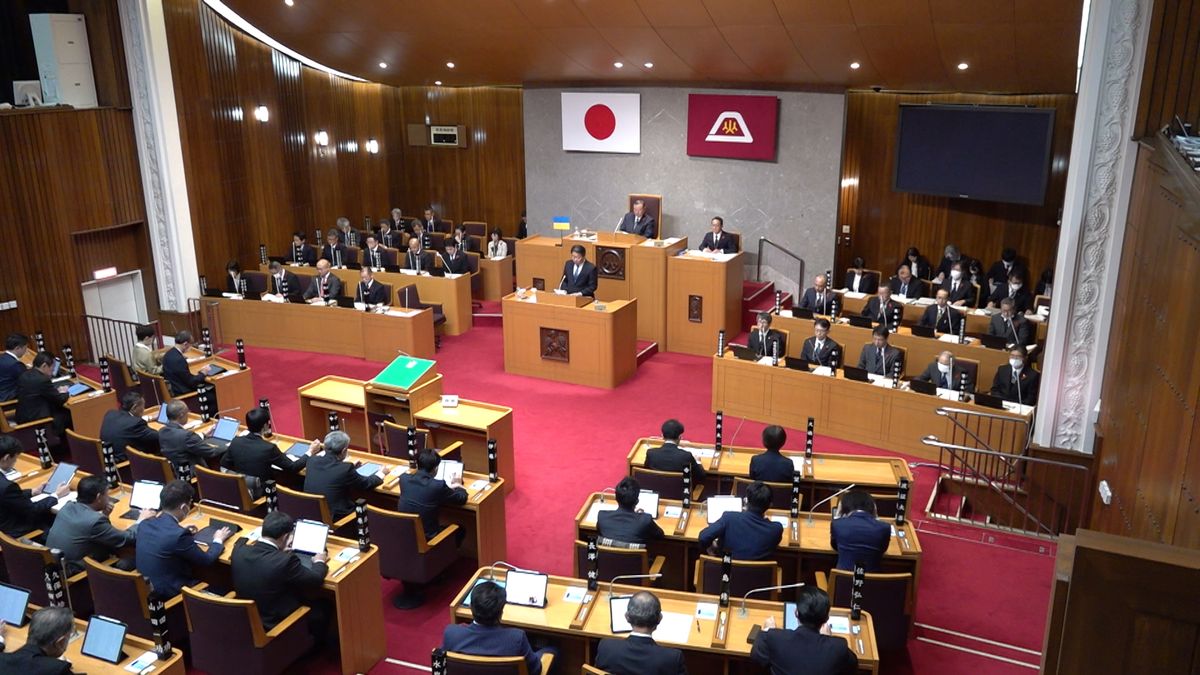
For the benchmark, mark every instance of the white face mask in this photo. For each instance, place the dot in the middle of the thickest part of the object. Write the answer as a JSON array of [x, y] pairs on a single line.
[[955, 274], [1016, 364], [943, 368], [1016, 287]]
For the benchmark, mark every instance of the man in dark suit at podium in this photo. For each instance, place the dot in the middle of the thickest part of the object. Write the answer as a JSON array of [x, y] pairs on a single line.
[[820, 347], [301, 252], [579, 275], [940, 316], [717, 241], [639, 222], [454, 261], [432, 223], [180, 378], [626, 524], [282, 281], [417, 257]]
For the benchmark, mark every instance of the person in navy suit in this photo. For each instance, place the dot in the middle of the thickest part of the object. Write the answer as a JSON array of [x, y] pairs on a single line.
[[179, 377], [11, 365], [579, 275], [423, 494], [370, 291], [50, 631], [857, 534], [670, 457], [166, 550], [639, 222], [747, 535], [718, 241], [819, 298], [639, 654], [125, 427], [484, 636], [820, 348], [19, 514], [771, 466], [626, 524], [301, 253], [883, 309], [811, 647]]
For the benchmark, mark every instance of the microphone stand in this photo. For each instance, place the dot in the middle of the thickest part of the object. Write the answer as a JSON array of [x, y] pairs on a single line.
[[827, 499], [628, 576], [742, 610]]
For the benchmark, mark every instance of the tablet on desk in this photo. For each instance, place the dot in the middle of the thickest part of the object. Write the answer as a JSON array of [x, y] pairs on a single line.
[[225, 430], [857, 374], [743, 353], [368, 469], [214, 369], [162, 414], [145, 496], [721, 504], [448, 469], [923, 387], [308, 539], [922, 331], [13, 604], [617, 605], [526, 588], [77, 389], [648, 502], [104, 638], [859, 321], [297, 450], [989, 401], [790, 621], [63, 473]]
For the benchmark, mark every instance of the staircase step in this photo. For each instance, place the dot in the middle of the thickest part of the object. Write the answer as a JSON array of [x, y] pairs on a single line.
[[645, 350], [753, 289], [762, 303]]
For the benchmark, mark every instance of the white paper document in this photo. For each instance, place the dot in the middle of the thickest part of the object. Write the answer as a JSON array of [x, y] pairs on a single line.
[[675, 628], [839, 625], [594, 512]]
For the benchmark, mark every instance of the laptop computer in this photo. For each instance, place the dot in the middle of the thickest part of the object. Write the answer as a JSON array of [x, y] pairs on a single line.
[[63, 473], [14, 602], [205, 536], [994, 341], [743, 353], [717, 506], [798, 313], [345, 302], [923, 387], [308, 539], [797, 363], [145, 496], [104, 638], [526, 588], [989, 401], [923, 331], [857, 374], [859, 321]]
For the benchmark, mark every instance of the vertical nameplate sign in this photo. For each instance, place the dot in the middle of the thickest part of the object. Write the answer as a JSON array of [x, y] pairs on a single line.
[[332, 419], [206, 411], [411, 437], [962, 387], [901, 502], [52, 575], [796, 479], [856, 591], [158, 625], [360, 521], [39, 341], [687, 487], [105, 375], [271, 492], [206, 339], [726, 574], [262, 254], [43, 447], [593, 564], [720, 342], [438, 661], [110, 465], [493, 461], [240, 345], [183, 471], [69, 360]]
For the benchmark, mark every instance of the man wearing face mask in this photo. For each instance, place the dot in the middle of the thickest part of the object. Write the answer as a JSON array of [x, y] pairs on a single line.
[[960, 291], [947, 374], [1017, 381], [1010, 325], [940, 316], [1014, 289]]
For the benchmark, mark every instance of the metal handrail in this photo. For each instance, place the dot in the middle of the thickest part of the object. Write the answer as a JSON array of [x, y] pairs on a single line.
[[758, 263], [979, 476], [953, 415]]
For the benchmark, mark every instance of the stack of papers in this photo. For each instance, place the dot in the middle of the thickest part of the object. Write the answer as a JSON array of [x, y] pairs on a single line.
[[851, 294], [822, 370], [923, 301]]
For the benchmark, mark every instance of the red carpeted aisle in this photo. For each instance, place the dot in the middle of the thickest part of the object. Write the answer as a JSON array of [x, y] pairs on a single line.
[[572, 440]]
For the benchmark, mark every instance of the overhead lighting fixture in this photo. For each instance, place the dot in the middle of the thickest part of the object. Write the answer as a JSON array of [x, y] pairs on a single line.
[[855, 65], [618, 64], [450, 64], [289, 3], [321, 138], [648, 65], [250, 29], [382, 64], [372, 146], [262, 114], [438, 82], [963, 66]]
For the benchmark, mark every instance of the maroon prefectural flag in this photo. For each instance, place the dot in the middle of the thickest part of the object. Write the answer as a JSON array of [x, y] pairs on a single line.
[[734, 127]]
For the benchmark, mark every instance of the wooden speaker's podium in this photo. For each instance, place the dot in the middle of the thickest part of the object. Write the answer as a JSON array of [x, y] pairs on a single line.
[[405, 386], [704, 296]]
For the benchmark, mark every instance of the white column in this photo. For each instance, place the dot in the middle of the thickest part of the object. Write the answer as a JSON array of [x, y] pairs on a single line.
[[156, 125], [1099, 181]]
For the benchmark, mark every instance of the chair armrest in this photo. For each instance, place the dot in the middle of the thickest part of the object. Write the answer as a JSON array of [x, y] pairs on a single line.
[[33, 534], [657, 565], [435, 306], [123, 465], [441, 536], [822, 581], [339, 524], [697, 491], [76, 578], [547, 662], [450, 450], [33, 423], [287, 623]]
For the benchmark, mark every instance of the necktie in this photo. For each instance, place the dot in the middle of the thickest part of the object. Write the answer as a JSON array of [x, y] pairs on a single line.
[[939, 317], [881, 369], [577, 270], [321, 288], [954, 287], [945, 384], [904, 289]]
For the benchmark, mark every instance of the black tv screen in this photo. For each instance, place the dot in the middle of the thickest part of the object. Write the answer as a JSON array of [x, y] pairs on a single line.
[[991, 153]]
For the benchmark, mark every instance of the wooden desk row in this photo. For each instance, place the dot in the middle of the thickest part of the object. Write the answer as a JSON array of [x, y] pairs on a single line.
[[896, 419], [976, 322], [316, 328], [234, 387], [134, 650], [576, 619]]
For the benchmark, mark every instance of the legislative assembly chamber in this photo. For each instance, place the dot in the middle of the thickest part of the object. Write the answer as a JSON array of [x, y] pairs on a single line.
[[627, 337]]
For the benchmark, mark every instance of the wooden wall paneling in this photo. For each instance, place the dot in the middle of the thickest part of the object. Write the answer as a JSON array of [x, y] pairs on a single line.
[[1171, 76], [884, 223]]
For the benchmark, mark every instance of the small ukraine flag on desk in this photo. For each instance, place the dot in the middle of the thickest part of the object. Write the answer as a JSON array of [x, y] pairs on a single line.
[[562, 223]]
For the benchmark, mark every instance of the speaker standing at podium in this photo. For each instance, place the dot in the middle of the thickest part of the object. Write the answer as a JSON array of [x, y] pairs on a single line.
[[579, 275], [639, 222]]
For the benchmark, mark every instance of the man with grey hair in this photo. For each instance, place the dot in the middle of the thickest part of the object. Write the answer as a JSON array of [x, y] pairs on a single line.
[[182, 446], [329, 474], [638, 654], [950, 256], [346, 234], [50, 632], [639, 222]]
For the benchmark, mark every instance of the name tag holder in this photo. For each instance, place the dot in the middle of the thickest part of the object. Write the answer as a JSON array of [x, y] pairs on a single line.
[[686, 509]]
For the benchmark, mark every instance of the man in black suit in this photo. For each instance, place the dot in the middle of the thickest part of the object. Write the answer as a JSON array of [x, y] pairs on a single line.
[[283, 282], [1003, 268], [183, 447], [325, 286], [335, 250], [639, 654], [857, 534], [746, 535], [345, 234], [391, 229], [125, 427], [918, 264], [717, 241], [1017, 381], [881, 308], [398, 221], [960, 290], [301, 252], [329, 474], [951, 256], [626, 524], [421, 493], [905, 285], [271, 575], [670, 457], [253, 456], [369, 290], [1014, 290], [945, 372], [940, 316], [579, 275], [820, 348], [484, 636], [420, 234], [432, 223], [180, 379], [417, 258], [374, 254], [454, 261], [38, 397], [50, 631], [19, 514], [810, 649], [879, 357], [771, 466], [1010, 325], [461, 239], [858, 280], [764, 341], [11, 365], [819, 298], [639, 222]]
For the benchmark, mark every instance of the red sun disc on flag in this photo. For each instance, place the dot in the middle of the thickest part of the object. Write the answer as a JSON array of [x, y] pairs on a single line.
[[600, 121]]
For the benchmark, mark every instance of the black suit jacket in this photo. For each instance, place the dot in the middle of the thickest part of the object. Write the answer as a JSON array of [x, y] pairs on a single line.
[[638, 655], [308, 255], [869, 283], [290, 280], [670, 457], [422, 261], [920, 269], [435, 225], [771, 467], [1004, 387], [1022, 299], [252, 455], [393, 238], [179, 377], [37, 397], [456, 265], [859, 537], [385, 257], [944, 266], [584, 284], [29, 660], [890, 312], [915, 288], [337, 480], [121, 429], [949, 322], [275, 580], [822, 305], [868, 359], [765, 347], [10, 369], [1020, 332], [423, 494], [726, 245], [19, 514], [630, 527], [646, 227], [184, 447], [998, 274], [376, 295], [314, 287], [932, 374], [342, 252], [965, 292], [824, 356], [803, 651]]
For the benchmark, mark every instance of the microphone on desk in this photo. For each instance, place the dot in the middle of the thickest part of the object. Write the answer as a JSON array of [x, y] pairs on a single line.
[[493, 566], [563, 279], [227, 410], [629, 576], [829, 498], [742, 610], [406, 305], [607, 489]]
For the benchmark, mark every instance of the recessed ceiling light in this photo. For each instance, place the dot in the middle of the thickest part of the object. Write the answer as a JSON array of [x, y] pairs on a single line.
[[963, 66], [438, 82], [383, 64], [289, 3], [618, 64], [449, 64], [855, 65], [648, 64]]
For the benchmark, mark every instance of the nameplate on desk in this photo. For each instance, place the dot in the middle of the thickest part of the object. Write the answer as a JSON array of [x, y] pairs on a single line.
[[600, 306], [953, 339], [449, 400]]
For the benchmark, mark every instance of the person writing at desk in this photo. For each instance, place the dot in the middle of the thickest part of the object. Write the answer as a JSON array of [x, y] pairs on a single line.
[[417, 259], [579, 275], [421, 493], [144, 357], [763, 340], [50, 632], [453, 261], [179, 377], [857, 534], [1016, 381], [940, 316], [283, 282], [369, 291], [810, 649], [857, 278], [166, 550], [497, 247], [770, 465], [1014, 290], [330, 475], [716, 241], [746, 535], [905, 285], [639, 222], [820, 348], [627, 525], [325, 286], [879, 357], [639, 654]]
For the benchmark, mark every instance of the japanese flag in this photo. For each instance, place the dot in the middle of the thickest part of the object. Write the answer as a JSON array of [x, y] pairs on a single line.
[[601, 122]]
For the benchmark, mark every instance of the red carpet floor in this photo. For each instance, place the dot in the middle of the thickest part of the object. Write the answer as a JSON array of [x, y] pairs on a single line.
[[572, 440]]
